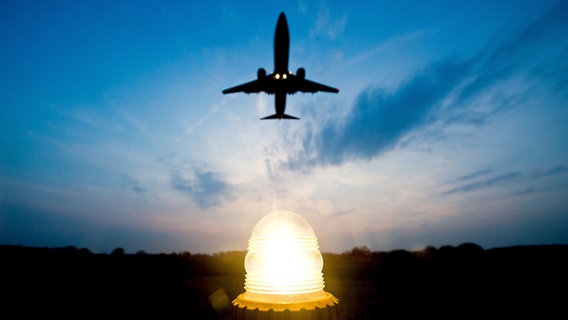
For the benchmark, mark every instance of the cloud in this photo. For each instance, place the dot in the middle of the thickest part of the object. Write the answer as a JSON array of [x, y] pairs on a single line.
[[132, 183], [379, 119], [326, 26], [440, 93], [272, 175], [471, 176], [206, 188], [526, 191], [500, 179], [550, 172], [538, 49]]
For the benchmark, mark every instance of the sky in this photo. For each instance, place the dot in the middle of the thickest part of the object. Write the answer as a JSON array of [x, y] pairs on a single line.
[[450, 126]]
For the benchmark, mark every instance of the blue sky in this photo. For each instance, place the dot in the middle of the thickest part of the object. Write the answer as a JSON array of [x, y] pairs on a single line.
[[450, 125]]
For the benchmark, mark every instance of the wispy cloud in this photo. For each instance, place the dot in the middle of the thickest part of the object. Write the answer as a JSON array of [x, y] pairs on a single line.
[[550, 172], [481, 180], [206, 188], [526, 191], [380, 119], [132, 183], [471, 176], [474, 186], [326, 26]]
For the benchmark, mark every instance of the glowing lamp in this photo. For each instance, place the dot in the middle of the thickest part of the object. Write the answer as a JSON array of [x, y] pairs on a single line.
[[284, 276]]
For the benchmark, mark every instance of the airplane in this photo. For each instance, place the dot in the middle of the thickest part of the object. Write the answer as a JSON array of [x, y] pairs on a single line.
[[281, 82]]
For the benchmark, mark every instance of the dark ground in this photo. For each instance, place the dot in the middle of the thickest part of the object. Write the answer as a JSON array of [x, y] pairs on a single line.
[[446, 282]]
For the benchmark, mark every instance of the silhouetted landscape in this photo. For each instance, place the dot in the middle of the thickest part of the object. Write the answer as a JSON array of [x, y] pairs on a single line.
[[445, 282]]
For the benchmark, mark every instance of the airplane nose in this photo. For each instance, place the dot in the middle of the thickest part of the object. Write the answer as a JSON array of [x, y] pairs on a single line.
[[282, 19]]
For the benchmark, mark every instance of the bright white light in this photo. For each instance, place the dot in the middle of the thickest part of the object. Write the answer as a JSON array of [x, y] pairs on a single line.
[[283, 259], [284, 76], [277, 76]]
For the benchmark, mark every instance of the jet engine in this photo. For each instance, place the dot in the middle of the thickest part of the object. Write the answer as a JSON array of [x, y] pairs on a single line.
[[261, 73], [301, 73]]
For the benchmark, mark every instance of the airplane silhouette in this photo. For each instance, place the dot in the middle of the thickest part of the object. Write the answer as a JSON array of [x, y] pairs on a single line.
[[281, 82]]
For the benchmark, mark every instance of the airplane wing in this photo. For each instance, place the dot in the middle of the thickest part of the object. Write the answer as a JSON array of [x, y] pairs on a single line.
[[254, 86], [306, 85], [271, 86]]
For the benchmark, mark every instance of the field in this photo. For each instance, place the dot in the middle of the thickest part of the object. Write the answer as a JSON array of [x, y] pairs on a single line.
[[443, 282]]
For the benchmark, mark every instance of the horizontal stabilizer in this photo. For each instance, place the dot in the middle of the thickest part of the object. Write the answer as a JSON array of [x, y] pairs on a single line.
[[282, 116]]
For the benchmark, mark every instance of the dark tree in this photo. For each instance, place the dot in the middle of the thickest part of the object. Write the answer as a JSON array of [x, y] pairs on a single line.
[[117, 252]]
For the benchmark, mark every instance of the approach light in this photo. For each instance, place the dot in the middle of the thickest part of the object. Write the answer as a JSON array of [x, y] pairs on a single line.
[[284, 272]]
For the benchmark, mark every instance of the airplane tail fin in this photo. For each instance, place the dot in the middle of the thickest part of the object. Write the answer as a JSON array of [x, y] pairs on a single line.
[[279, 117]]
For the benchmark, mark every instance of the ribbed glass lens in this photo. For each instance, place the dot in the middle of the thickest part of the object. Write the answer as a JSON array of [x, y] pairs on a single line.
[[283, 257]]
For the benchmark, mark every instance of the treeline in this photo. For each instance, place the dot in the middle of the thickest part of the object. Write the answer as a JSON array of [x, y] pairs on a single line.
[[464, 280], [68, 282], [460, 281]]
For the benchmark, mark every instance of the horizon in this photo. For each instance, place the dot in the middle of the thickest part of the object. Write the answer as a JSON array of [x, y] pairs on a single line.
[[355, 251], [450, 125]]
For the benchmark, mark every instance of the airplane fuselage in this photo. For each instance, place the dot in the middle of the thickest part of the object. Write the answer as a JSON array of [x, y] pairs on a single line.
[[281, 56], [281, 46]]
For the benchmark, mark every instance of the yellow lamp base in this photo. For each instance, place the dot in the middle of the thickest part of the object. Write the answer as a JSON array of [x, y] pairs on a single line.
[[324, 308]]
